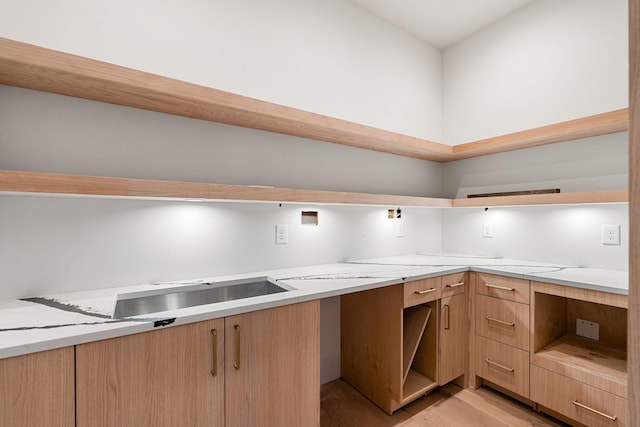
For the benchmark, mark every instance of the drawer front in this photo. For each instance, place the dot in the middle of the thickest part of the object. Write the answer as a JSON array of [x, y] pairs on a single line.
[[558, 393], [503, 365], [455, 284], [421, 291], [504, 321], [503, 287]]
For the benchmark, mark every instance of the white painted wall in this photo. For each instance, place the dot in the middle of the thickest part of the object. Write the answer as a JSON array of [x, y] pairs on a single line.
[[57, 244], [329, 57], [551, 61], [592, 164], [568, 235], [53, 133]]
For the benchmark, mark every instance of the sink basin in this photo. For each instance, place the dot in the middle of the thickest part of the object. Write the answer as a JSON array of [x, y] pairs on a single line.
[[137, 303]]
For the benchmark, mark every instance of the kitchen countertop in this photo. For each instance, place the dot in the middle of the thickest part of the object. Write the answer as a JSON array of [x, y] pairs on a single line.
[[53, 321]]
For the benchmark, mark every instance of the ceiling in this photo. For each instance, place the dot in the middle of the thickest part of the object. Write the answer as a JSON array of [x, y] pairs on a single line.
[[441, 23]]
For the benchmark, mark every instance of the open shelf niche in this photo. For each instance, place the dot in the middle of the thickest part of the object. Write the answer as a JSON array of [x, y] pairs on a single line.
[[419, 345], [600, 363]]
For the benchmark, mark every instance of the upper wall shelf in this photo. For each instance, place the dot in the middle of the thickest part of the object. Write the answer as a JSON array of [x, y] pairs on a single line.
[[18, 182], [50, 183], [38, 68]]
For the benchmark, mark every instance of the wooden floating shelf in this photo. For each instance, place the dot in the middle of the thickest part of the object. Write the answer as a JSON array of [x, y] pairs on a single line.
[[49, 183], [599, 124], [32, 67], [612, 196], [63, 184]]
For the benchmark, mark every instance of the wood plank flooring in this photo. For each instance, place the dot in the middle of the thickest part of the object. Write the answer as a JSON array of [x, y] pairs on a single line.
[[449, 406]]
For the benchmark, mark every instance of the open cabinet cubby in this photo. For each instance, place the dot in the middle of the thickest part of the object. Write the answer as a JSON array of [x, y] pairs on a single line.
[[389, 352], [419, 350], [556, 346]]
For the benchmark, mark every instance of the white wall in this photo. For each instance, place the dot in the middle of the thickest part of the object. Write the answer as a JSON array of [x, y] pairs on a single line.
[[551, 61], [52, 133], [57, 244], [329, 56], [568, 235], [592, 164]]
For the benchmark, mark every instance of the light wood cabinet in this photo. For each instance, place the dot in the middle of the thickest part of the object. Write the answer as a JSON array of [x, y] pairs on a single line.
[[37, 389], [504, 321], [502, 365], [501, 330], [569, 368], [588, 405], [259, 368], [396, 346], [159, 378], [273, 367], [453, 350]]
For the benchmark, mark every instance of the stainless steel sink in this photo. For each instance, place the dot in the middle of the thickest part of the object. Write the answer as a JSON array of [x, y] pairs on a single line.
[[155, 301]]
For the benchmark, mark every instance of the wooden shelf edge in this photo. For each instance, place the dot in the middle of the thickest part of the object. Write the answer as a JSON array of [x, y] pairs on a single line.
[[33, 67], [54, 183], [42, 69], [587, 197], [598, 124], [51, 183]]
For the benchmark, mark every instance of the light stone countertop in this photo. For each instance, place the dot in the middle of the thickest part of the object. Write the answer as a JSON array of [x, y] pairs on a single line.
[[31, 326]]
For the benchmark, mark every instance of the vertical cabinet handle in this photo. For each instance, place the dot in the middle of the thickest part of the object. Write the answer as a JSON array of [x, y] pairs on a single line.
[[237, 364], [214, 344], [447, 317]]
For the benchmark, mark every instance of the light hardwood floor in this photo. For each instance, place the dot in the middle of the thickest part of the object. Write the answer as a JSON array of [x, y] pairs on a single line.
[[449, 406]]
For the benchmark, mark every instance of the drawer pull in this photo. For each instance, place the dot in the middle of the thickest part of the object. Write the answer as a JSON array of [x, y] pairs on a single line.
[[455, 285], [602, 414], [426, 291], [502, 322], [503, 288], [214, 344], [491, 362]]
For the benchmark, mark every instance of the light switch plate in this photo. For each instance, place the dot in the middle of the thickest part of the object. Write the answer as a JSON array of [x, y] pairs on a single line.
[[487, 230]]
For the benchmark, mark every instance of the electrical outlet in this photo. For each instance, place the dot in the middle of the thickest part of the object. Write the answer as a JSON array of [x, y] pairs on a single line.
[[282, 234], [610, 234], [399, 229], [588, 329], [487, 230]]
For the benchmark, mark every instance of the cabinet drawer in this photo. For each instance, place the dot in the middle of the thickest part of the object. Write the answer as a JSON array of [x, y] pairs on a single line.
[[503, 287], [504, 321], [421, 291], [559, 393], [503, 365], [454, 284]]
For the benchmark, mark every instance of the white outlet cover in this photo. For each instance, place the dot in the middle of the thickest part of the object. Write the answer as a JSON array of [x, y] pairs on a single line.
[[282, 234], [610, 234]]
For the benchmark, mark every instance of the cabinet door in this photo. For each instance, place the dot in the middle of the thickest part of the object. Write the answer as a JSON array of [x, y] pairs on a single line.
[[37, 389], [159, 378], [453, 338], [273, 367]]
